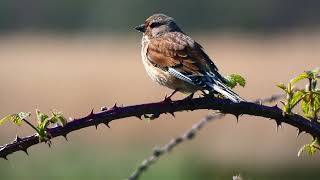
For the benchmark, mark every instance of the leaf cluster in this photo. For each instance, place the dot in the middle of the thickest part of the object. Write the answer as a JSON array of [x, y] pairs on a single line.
[[43, 121], [309, 100], [234, 79]]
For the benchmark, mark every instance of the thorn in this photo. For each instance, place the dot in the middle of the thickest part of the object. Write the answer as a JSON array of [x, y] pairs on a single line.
[[65, 137], [172, 113], [48, 142], [237, 117], [299, 132], [4, 157], [139, 117], [25, 150], [167, 99], [107, 124], [96, 125], [157, 152], [154, 116], [278, 125], [115, 106], [17, 139]]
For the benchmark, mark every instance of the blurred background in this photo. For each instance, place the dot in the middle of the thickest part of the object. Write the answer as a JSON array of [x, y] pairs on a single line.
[[74, 55]]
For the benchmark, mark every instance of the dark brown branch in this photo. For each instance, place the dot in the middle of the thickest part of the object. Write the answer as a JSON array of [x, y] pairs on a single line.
[[188, 135], [157, 108]]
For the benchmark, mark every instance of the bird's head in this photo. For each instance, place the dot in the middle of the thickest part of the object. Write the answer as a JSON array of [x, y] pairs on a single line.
[[157, 25]]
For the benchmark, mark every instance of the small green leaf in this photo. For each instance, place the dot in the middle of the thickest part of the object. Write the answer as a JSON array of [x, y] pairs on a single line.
[[41, 117], [302, 76], [16, 118], [310, 148], [296, 98], [313, 73], [57, 117], [23, 115], [5, 119], [282, 86], [234, 79]]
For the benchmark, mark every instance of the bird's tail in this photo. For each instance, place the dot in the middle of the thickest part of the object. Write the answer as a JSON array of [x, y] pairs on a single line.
[[226, 91]]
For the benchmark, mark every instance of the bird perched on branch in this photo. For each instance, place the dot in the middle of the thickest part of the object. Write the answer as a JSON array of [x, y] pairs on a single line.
[[173, 59]]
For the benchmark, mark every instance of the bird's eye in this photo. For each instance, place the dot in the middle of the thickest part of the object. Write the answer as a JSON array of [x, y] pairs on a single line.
[[155, 24]]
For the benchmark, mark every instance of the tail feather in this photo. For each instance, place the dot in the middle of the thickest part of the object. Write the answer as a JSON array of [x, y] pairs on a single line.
[[226, 92]]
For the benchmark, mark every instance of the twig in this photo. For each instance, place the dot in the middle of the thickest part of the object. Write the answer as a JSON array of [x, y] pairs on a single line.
[[158, 108], [189, 135]]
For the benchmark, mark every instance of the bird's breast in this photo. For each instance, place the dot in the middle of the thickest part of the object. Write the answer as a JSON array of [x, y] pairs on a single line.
[[159, 75]]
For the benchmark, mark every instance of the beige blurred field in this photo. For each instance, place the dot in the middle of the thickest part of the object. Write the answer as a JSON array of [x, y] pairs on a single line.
[[76, 73]]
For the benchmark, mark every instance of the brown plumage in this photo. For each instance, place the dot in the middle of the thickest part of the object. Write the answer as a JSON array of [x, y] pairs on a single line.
[[173, 59]]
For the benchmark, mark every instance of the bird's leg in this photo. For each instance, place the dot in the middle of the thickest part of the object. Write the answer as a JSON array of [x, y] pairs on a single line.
[[168, 98]]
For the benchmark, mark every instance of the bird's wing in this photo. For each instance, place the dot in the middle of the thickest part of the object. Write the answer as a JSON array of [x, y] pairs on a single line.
[[178, 54], [185, 59]]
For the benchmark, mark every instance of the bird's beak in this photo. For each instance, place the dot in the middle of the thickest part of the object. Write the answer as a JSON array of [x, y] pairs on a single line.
[[141, 28]]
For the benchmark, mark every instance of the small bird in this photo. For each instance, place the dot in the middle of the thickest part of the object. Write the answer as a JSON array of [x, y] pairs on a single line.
[[173, 59]]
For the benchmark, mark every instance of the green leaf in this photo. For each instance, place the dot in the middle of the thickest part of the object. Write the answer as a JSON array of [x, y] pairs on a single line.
[[283, 87], [310, 148], [313, 73], [5, 119], [18, 118], [316, 101], [41, 117], [234, 79], [57, 117], [305, 107], [15, 118], [23, 115], [296, 98], [302, 76]]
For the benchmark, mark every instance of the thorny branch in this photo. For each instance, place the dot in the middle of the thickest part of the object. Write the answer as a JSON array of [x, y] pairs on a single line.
[[166, 106], [188, 135]]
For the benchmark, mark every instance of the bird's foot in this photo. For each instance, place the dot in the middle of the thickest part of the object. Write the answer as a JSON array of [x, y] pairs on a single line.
[[168, 98]]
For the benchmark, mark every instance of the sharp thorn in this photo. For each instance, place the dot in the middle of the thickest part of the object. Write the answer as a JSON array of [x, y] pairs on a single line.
[[278, 125], [17, 139], [4, 157], [107, 124], [25, 150], [139, 117], [299, 132], [96, 125], [115, 106], [65, 137], [237, 117]]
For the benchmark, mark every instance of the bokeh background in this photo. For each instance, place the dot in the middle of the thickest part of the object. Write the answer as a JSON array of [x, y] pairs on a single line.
[[74, 55]]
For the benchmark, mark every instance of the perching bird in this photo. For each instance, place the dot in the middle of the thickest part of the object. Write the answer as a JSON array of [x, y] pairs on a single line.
[[172, 59]]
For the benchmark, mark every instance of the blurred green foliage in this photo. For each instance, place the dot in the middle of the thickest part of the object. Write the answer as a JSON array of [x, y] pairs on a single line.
[[78, 163], [122, 15]]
